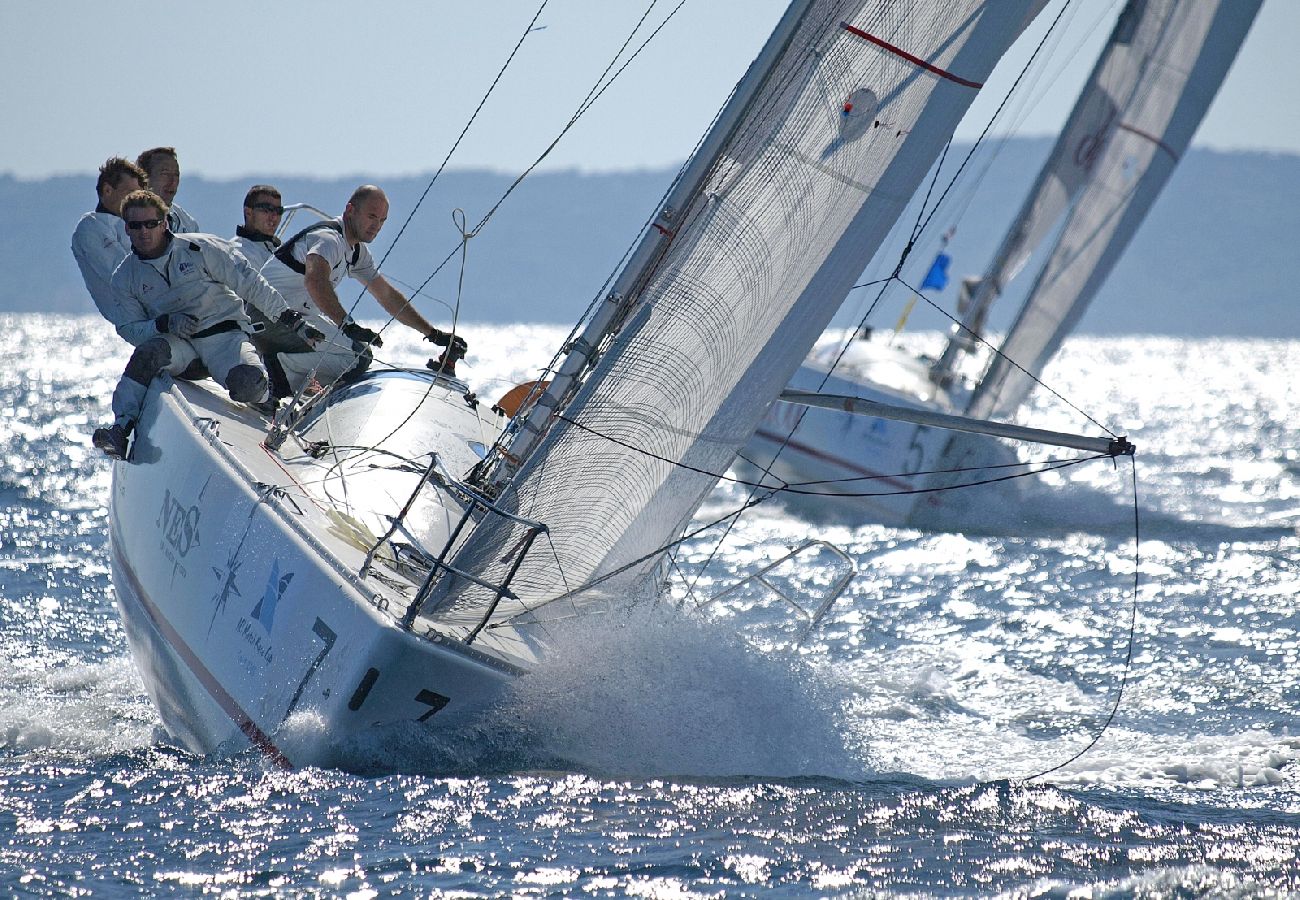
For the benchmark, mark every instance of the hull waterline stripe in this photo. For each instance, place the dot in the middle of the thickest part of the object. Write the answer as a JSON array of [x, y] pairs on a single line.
[[809, 450], [256, 736], [914, 60]]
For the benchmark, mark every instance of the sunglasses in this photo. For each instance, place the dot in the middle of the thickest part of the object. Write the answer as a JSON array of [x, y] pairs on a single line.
[[268, 207], [151, 224]]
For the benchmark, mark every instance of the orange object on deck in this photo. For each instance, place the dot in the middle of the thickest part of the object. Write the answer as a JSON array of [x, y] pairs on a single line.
[[514, 398]]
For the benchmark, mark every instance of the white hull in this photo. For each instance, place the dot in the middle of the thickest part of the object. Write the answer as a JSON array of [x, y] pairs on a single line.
[[244, 605], [868, 466]]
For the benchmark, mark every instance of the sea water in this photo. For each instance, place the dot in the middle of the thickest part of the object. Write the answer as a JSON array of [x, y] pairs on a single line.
[[924, 740]]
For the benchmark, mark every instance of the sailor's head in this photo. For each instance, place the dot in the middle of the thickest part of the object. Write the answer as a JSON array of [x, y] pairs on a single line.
[[145, 215], [117, 178], [263, 209], [365, 214], [164, 171]]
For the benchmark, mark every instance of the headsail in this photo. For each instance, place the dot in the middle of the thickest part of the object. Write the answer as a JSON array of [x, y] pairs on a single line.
[[814, 159], [1145, 98]]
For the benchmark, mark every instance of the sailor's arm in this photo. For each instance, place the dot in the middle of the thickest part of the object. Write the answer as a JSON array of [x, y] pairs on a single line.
[[318, 284], [129, 316], [233, 268], [396, 305]]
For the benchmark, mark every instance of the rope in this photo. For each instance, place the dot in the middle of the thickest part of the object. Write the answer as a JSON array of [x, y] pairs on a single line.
[[1132, 639], [593, 95], [1038, 381], [799, 487]]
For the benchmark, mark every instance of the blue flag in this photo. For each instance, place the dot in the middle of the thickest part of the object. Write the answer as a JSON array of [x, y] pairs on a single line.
[[937, 277]]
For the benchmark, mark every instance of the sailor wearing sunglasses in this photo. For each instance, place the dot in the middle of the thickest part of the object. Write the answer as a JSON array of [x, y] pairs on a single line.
[[256, 238]]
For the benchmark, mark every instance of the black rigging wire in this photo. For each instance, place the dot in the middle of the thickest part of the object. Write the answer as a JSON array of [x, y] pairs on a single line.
[[1038, 381], [1132, 639], [800, 487]]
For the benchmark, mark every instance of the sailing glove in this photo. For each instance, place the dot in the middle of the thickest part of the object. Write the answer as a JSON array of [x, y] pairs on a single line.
[[455, 344], [182, 325], [291, 318], [361, 334]]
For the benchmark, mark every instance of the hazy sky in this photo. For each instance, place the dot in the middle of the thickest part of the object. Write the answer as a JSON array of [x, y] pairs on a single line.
[[253, 90]]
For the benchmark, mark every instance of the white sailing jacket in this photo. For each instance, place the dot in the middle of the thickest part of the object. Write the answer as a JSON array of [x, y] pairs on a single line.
[[99, 243], [257, 248], [181, 222], [198, 274]]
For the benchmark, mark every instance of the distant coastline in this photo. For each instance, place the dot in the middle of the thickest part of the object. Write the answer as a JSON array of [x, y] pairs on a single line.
[[1213, 257]]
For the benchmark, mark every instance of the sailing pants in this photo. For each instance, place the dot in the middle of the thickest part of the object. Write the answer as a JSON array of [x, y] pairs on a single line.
[[331, 359], [228, 355]]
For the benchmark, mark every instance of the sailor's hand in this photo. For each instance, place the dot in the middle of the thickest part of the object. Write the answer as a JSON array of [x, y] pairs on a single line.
[[291, 318], [182, 325], [454, 343], [361, 334]]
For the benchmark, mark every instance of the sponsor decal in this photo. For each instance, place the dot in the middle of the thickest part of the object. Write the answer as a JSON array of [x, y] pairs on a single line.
[[263, 613], [178, 528]]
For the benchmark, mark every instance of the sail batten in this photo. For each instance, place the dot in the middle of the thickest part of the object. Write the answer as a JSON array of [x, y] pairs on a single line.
[[810, 175]]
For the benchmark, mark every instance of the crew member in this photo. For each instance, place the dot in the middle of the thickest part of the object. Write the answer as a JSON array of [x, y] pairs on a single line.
[[309, 266], [256, 238], [164, 171], [99, 242]]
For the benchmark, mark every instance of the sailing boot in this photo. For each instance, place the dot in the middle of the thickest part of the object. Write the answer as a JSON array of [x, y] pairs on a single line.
[[113, 439]]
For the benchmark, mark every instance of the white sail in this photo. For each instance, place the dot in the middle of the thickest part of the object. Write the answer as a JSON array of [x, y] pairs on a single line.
[[1145, 98], [820, 148]]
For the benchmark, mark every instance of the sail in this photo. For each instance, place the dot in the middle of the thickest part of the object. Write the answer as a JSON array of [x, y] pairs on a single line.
[[1135, 118], [815, 157]]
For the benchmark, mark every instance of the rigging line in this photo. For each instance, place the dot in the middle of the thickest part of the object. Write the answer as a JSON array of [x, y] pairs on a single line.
[[596, 582], [798, 487], [582, 109], [1132, 637], [1038, 381], [596, 92], [929, 192], [482, 101], [996, 114], [952, 471], [473, 116]]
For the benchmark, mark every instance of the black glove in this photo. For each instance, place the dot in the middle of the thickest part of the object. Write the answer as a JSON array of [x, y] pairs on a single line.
[[291, 318], [455, 344], [361, 334], [182, 325]]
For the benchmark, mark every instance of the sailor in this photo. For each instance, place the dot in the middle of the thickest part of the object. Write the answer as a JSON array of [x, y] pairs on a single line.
[[164, 171], [99, 242], [182, 299], [256, 240], [263, 209], [308, 267]]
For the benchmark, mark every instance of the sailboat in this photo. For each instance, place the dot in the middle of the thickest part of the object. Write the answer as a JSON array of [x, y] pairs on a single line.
[[1156, 75], [390, 551]]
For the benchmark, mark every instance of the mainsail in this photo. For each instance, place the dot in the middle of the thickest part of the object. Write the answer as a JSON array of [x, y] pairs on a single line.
[[1144, 100], [814, 158]]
